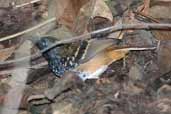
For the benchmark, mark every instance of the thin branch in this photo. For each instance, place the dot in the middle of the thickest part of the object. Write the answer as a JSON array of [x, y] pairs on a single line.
[[25, 4], [36, 97], [132, 48], [28, 30], [35, 67], [145, 26]]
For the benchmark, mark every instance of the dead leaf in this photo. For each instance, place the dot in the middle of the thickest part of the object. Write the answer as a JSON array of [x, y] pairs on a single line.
[[98, 23], [160, 2], [83, 17], [155, 14], [61, 33], [164, 57], [145, 7], [156, 11], [132, 88], [67, 11], [6, 53], [102, 10], [95, 8], [162, 35], [64, 108], [163, 105], [75, 14], [164, 91], [24, 49]]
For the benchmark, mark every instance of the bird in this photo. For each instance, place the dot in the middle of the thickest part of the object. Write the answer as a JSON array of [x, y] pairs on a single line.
[[88, 59]]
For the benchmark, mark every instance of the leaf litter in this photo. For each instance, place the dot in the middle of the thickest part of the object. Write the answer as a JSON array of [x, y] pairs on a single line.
[[136, 79]]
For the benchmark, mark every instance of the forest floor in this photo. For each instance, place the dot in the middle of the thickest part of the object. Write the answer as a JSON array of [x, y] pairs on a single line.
[[138, 83]]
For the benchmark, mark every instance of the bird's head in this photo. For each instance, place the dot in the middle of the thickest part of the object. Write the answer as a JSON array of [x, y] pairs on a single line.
[[44, 42]]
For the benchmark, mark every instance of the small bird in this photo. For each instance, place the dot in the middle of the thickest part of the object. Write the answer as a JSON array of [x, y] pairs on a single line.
[[88, 59]]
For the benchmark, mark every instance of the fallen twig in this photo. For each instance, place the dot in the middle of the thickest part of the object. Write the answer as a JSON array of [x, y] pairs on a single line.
[[28, 30], [25, 4], [132, 48], [35, 67], [36, 97]]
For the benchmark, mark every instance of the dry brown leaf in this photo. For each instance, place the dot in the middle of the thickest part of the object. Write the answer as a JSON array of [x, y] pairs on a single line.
[[102, 10], [83, 17], [164, 57], [75, 14], [61, 33], [160, 10], [153, 10], [98, 23], [6, 53], [162, 35], [67, 11], [95, 8], [145, 7], [162, 13], [153, 2], [64, 108]]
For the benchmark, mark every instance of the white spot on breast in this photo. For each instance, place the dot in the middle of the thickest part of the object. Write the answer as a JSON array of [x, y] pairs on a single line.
[[65, 64], [84, 75], [73, 58], [70, 62]]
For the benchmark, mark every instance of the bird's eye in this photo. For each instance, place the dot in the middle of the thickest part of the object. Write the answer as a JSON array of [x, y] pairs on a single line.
[[84, 75]]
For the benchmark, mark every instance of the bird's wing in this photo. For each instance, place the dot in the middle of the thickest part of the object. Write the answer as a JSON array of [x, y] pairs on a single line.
[[96, 46]]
